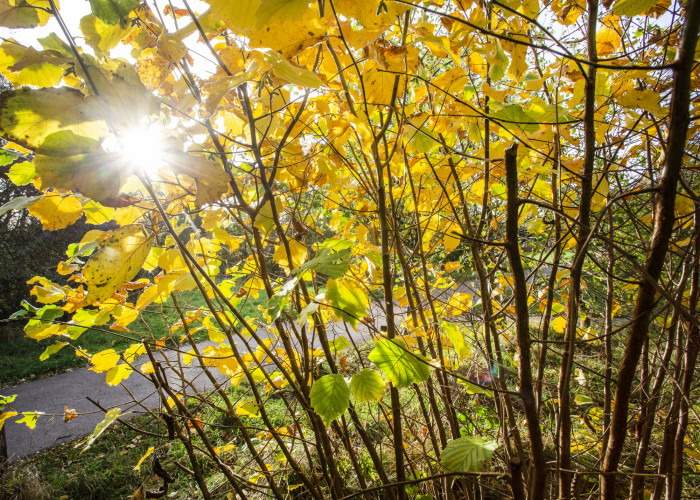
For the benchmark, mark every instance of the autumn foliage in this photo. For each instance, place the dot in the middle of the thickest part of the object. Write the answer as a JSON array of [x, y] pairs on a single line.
[[499, 196]]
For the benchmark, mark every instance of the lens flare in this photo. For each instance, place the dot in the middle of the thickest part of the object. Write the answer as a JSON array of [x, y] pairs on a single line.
[[143, 148]]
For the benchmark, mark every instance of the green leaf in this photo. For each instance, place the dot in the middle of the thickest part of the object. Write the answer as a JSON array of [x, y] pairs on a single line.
[[338, 344], [499, 62], [19, 203], [22, 173], [112, 11], [28, 116], [333, 263], [18, 14], [582, 399], [69, 161], [330, 397], [514, 116], [110, 417], [7, 156], [53, 42], [6, 400], [401, 366], [122, 96], [367, 385], [466, 454], [349, 300], [279, 300], [631, 8], [474, 389], [422, 140]]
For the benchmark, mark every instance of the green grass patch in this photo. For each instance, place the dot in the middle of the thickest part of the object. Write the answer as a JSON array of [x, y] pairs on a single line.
[[105, 471]]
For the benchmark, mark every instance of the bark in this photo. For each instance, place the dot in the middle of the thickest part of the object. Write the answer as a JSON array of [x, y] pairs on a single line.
[[690, 361], [663, 228], [522, 324], [574, 302]]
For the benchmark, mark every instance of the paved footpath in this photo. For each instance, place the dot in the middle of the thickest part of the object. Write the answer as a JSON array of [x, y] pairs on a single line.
[[50, 395]]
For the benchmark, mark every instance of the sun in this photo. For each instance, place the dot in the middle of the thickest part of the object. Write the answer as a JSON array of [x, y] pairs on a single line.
[[142, 148]]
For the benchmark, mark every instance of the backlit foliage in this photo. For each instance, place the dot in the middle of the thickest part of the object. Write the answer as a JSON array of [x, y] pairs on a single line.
[[338, 165]]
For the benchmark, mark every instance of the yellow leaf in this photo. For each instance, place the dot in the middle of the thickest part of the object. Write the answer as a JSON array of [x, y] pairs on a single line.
[[100, 36], [48, 294], [239, 15], [518, 63], [273, 10], [117, 261], [29, 418], [452, 266], [104, 360], [152, 259], [223, 449], [607, 41], [172, 261], [559, 324], [647, 100], [117, 374], [52, 349], [56, 211], [64, 268], [365, 11], [692, 453], [212, 180], [171, 48], [290, 36], [264, 220], [133, 352], [288, 71], [97, 213], [248, 409], [147, 368], [126, 316], [28, 66], [379, 86], [298, 251], [454, 333], [148, 296], [5, 415], [451, 241], [144, 457], [216, 335], [177, 281]]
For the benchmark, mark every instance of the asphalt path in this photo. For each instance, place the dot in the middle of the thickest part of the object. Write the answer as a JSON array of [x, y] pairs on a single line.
[[72, 389]]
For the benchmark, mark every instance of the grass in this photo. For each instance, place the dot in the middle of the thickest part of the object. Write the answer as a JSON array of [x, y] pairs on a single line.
[[19, 355], [105, 471]]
